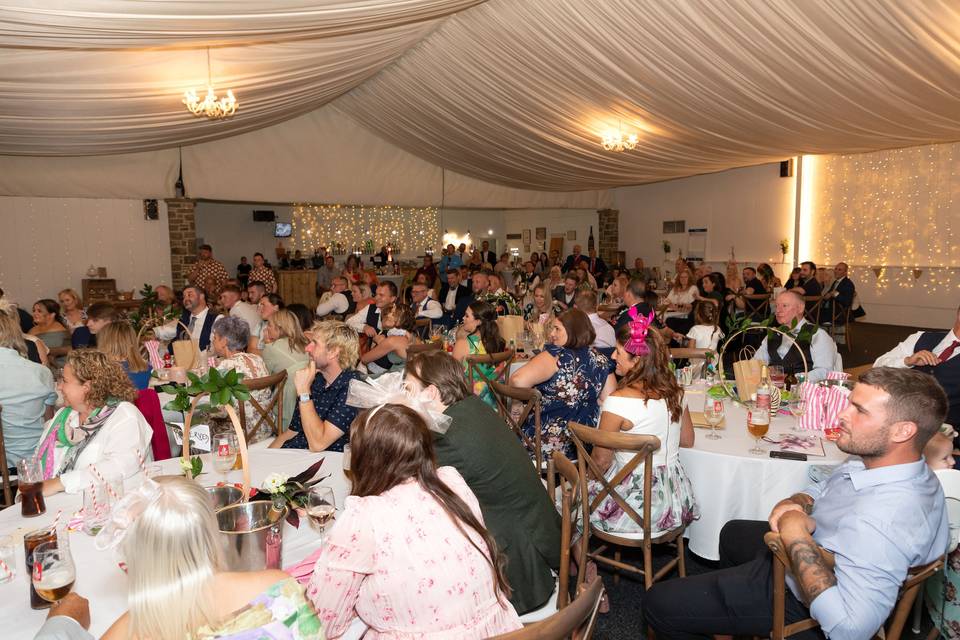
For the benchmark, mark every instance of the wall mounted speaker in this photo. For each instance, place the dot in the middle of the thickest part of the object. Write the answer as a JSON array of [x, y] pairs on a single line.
[[261, 215], [786, 168], [150, 210]]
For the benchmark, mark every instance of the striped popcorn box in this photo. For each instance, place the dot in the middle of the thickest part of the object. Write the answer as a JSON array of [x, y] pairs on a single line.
[[837, 375], [812, 417], [153, 351]]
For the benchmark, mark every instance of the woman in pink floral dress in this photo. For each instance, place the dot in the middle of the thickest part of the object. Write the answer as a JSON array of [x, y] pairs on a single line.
[[409, 555]]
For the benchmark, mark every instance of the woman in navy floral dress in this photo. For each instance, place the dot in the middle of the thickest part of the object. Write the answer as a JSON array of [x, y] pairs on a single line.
[[573, 379]]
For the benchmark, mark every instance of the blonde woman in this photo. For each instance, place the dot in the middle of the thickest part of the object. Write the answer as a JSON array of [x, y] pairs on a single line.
[[119, 341], [71, 309], [167, 534], [555, 278], [99, 426], [286, 350]]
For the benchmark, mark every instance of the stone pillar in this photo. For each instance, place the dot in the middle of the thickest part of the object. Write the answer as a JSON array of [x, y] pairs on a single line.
[[183, 238], [609, 222]]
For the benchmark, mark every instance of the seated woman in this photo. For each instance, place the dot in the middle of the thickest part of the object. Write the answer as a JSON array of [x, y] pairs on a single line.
[[573, 379], [99, 426], [542, 309], [398, 324], [648, 401], [286, 350], [179, 586], [387, 558], [99, 315], [229, 341], [119, 341], [681, 295], [71, 310], [268, 305], [49, 328], [480, 335]]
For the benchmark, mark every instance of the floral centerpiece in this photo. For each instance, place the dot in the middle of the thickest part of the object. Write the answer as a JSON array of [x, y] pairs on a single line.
[[503, 302], [151, 311], [784, 248], [666, 247], [291, 492]]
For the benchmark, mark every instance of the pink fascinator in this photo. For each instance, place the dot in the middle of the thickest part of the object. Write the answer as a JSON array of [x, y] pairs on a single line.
[[639, 325]]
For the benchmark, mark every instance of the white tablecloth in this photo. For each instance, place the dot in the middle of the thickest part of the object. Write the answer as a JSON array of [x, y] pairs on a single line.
[[101, 580], [731, 484]]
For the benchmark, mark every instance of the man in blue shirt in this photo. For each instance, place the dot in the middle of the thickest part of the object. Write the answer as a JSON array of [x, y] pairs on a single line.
[[880, 514]]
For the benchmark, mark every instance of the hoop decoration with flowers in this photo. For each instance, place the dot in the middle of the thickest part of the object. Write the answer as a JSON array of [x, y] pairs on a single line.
[[733, 395]]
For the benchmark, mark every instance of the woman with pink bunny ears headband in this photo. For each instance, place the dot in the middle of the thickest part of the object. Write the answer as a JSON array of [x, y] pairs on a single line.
[[166, 536]]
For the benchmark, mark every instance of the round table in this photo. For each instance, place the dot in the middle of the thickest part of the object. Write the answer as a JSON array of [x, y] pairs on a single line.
[[100, 579], [731, 484]]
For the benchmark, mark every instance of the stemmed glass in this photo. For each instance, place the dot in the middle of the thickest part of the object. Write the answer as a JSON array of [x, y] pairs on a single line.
[[321, 505], [713, 412], [798, 407], [53, 570], [758, 423], [224, 453]]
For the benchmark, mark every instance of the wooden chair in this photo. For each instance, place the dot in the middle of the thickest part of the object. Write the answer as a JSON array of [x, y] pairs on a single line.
[[840, 324], [683, 353], [814, 305], [4, 470], [756, 305], [781, 565], [576, 621], [421, 327], [264, 413], [505, 396], [643, 448], [563, 476], [423, 346], [500, 361]]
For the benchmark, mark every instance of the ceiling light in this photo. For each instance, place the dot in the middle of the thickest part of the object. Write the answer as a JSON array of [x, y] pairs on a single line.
[[210, 106], [617, 141]]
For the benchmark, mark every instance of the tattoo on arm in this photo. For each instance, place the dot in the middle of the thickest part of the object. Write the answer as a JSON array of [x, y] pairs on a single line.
[[809, 567], [804, 501]]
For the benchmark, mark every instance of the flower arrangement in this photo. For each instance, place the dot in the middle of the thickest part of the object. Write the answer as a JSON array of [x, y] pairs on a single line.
[[666, 246], [784, 246], [291, 492], [151, 311], [503, 302]]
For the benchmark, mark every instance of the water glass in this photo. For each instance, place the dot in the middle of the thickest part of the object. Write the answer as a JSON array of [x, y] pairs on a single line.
[[224, 453], [8, 567], [713, 412], [96, 508], [798, 407]]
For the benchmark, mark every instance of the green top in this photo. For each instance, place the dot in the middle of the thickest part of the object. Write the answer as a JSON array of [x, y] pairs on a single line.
[[281, 612], [515, 507]]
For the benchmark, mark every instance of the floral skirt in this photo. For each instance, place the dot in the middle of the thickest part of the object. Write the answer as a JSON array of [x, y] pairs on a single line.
[[943, 597], [671, 495]]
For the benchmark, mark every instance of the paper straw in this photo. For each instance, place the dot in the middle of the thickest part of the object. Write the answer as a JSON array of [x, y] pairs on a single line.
[[141, 459], [100, 478], [6, 569]]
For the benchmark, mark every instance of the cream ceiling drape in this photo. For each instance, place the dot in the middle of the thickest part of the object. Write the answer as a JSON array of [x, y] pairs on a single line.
[[511, 92]]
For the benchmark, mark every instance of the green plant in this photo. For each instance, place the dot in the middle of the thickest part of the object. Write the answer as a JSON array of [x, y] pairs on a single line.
[[151, 311], [666, 246], [222, 388], [785, 246]]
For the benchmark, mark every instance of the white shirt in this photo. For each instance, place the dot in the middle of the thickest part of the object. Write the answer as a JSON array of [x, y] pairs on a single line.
[[451, 302], [895, 357], [249, 314], [704, 336], [334, 303], [359, 319], [606, 337], [823, 350], [430, 308], [169, 331]]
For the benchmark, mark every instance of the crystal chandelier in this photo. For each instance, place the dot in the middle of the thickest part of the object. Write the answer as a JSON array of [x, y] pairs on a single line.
[[210, 106], [617, 141]]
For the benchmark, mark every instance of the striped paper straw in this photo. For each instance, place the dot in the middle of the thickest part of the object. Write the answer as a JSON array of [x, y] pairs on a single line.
[[101, 479], [6, 570]]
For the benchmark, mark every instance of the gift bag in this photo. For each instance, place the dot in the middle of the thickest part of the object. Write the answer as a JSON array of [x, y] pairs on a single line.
[[186, 353], [152, 348], [824, 404], [510, 328], [747, 375]]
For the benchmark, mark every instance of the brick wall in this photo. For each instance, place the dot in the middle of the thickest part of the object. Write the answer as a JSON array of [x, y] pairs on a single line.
[[609, 242], [183, 238]]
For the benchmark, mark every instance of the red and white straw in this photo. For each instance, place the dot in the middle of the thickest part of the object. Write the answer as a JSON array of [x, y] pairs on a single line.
[[6, 570], [113, 494]]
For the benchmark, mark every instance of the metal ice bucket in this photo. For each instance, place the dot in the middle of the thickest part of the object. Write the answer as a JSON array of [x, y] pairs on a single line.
[[253, 535], [224, 496]]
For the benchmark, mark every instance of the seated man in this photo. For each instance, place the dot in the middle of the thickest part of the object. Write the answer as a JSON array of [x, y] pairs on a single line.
[[635, 295], [842, 294], [934, 353], [337, 301], [565, 295], [231, 303], [197, 317], [880, 515], [819, 349], [422, 304], [808, 279], [496, 467], [587, 302], [322, 418], [455, 297]]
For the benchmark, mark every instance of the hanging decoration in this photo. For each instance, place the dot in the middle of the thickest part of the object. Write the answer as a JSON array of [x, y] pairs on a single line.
[[342, 229], [210, 106]]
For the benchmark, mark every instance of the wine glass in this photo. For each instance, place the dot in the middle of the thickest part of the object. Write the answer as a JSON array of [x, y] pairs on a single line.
[[777, 376], [713, 412], [798, 407], [321, 505], [53, 570], [224, 453], [758, 423]]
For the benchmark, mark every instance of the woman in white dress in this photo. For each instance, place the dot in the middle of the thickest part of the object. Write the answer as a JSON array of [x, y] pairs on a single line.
[[681, 296]]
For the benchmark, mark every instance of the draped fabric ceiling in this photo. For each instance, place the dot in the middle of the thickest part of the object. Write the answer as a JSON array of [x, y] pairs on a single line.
[[514, 93]]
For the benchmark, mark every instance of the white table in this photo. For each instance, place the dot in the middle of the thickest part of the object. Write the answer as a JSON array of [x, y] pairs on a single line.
[[98, 576], [731, 484]]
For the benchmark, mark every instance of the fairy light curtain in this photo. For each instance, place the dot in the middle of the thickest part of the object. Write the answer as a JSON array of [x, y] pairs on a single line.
[[892, 215], [345, 228]]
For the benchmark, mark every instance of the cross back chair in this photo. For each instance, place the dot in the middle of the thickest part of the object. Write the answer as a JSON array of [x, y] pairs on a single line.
[[264, 413], [421, 327], [576, 621], [422, 347], [564, 477], [531, 402], [684, 353], [756, 305], [782, 565], [643, 447], [812, 307], [501, 363]]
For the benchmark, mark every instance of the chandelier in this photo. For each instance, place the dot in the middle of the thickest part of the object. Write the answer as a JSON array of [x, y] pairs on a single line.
[[617, 141], [210, 106]]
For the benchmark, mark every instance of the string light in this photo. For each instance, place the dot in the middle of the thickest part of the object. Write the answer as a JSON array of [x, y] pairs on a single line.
[[890, 211], [343, 229]]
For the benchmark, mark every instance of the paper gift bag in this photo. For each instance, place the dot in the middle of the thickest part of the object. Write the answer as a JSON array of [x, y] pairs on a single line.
[[186, 353], [152, 348], [747, 375], [824, 404], [510, 328]]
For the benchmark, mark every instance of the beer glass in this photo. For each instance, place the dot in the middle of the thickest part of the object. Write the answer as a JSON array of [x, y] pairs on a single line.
[[53, 570], [31, 541], [758, 423], [30, 481]]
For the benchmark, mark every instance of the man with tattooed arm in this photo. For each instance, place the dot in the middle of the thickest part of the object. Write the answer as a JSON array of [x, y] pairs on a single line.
[[880, 513]]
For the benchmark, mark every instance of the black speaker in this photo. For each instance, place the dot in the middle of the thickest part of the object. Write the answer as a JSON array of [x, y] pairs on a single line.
[[262, 215], [786, 168], [150, 211]]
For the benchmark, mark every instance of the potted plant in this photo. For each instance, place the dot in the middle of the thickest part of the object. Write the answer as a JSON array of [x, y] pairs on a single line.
[[784, 248]]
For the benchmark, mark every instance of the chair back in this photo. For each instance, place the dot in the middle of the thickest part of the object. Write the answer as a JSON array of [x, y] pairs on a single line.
[[500, 361], [148, 403], [576, 621], [642, 446], [4, 470], [757, 305], [272, 413], [531, 400], [563, 476], [677, 353], [420, 347], [812, 308], [421, 327]]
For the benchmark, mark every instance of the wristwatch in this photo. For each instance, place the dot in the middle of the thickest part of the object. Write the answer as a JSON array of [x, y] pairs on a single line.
[[304, 397]]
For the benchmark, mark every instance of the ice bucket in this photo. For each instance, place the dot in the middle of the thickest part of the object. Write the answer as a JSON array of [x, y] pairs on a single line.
[[224, 496], [253, 535]]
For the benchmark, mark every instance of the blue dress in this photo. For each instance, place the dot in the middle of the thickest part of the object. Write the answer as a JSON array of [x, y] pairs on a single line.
[[572, 394]]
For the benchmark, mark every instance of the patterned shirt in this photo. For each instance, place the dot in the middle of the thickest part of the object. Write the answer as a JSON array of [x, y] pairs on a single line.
[[204, 269], [264, 274], [330, 401]]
